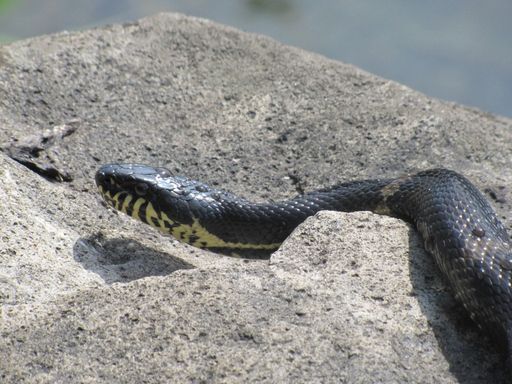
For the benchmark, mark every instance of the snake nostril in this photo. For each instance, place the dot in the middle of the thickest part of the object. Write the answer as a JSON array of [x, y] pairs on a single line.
[[164, 172]]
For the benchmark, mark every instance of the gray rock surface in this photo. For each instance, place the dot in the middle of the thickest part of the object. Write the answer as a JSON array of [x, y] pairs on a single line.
[[90, 295]]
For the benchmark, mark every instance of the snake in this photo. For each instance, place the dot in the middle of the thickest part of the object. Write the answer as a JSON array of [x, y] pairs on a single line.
[[458, 226]]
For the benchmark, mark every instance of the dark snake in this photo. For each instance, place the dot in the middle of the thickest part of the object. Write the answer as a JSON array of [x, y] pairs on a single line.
[[458, 226]]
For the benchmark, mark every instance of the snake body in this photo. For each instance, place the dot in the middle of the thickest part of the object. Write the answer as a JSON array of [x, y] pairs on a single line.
[[458, 226]]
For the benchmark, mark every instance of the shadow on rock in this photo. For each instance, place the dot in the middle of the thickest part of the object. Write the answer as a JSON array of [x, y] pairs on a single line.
[[123, 260], [472, 356]]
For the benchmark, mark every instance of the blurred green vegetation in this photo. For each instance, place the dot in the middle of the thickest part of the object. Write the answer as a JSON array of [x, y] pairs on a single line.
[[270, 6], [5, 3]]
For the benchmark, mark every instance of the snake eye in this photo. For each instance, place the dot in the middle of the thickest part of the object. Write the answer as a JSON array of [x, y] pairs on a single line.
[[141, 189]]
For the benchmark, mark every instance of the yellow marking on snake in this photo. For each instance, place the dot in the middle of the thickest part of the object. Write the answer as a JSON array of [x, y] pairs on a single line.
[[151, 214], [387, 191], [195, 234], [116, 199], [209, 240], [106, 195], [126, 203], [136, 207]]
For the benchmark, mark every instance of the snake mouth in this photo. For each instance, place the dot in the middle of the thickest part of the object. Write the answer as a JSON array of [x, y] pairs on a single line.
[[111, 198], [108, 188], [106, 182], [120, 200], [117, 184]]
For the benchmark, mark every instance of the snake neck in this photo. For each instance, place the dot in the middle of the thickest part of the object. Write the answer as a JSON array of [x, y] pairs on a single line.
[[243, 224]]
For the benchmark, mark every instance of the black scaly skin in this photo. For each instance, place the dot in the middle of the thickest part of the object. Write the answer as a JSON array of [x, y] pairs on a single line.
[[238, 220], [470, 245], [459, 228]]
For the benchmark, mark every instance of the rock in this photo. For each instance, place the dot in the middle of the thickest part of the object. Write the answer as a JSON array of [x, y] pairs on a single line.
[[91, 295], [349, 297]]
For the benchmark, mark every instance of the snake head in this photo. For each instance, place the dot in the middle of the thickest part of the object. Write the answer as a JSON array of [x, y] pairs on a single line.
[[133, 179], [152, 194], [127, 187], [189, 210]]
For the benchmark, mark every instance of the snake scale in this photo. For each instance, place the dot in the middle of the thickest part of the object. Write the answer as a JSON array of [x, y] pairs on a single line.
[[458, 226]]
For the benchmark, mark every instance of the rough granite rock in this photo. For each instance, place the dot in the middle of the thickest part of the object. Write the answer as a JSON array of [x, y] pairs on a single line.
[[89, 295]]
